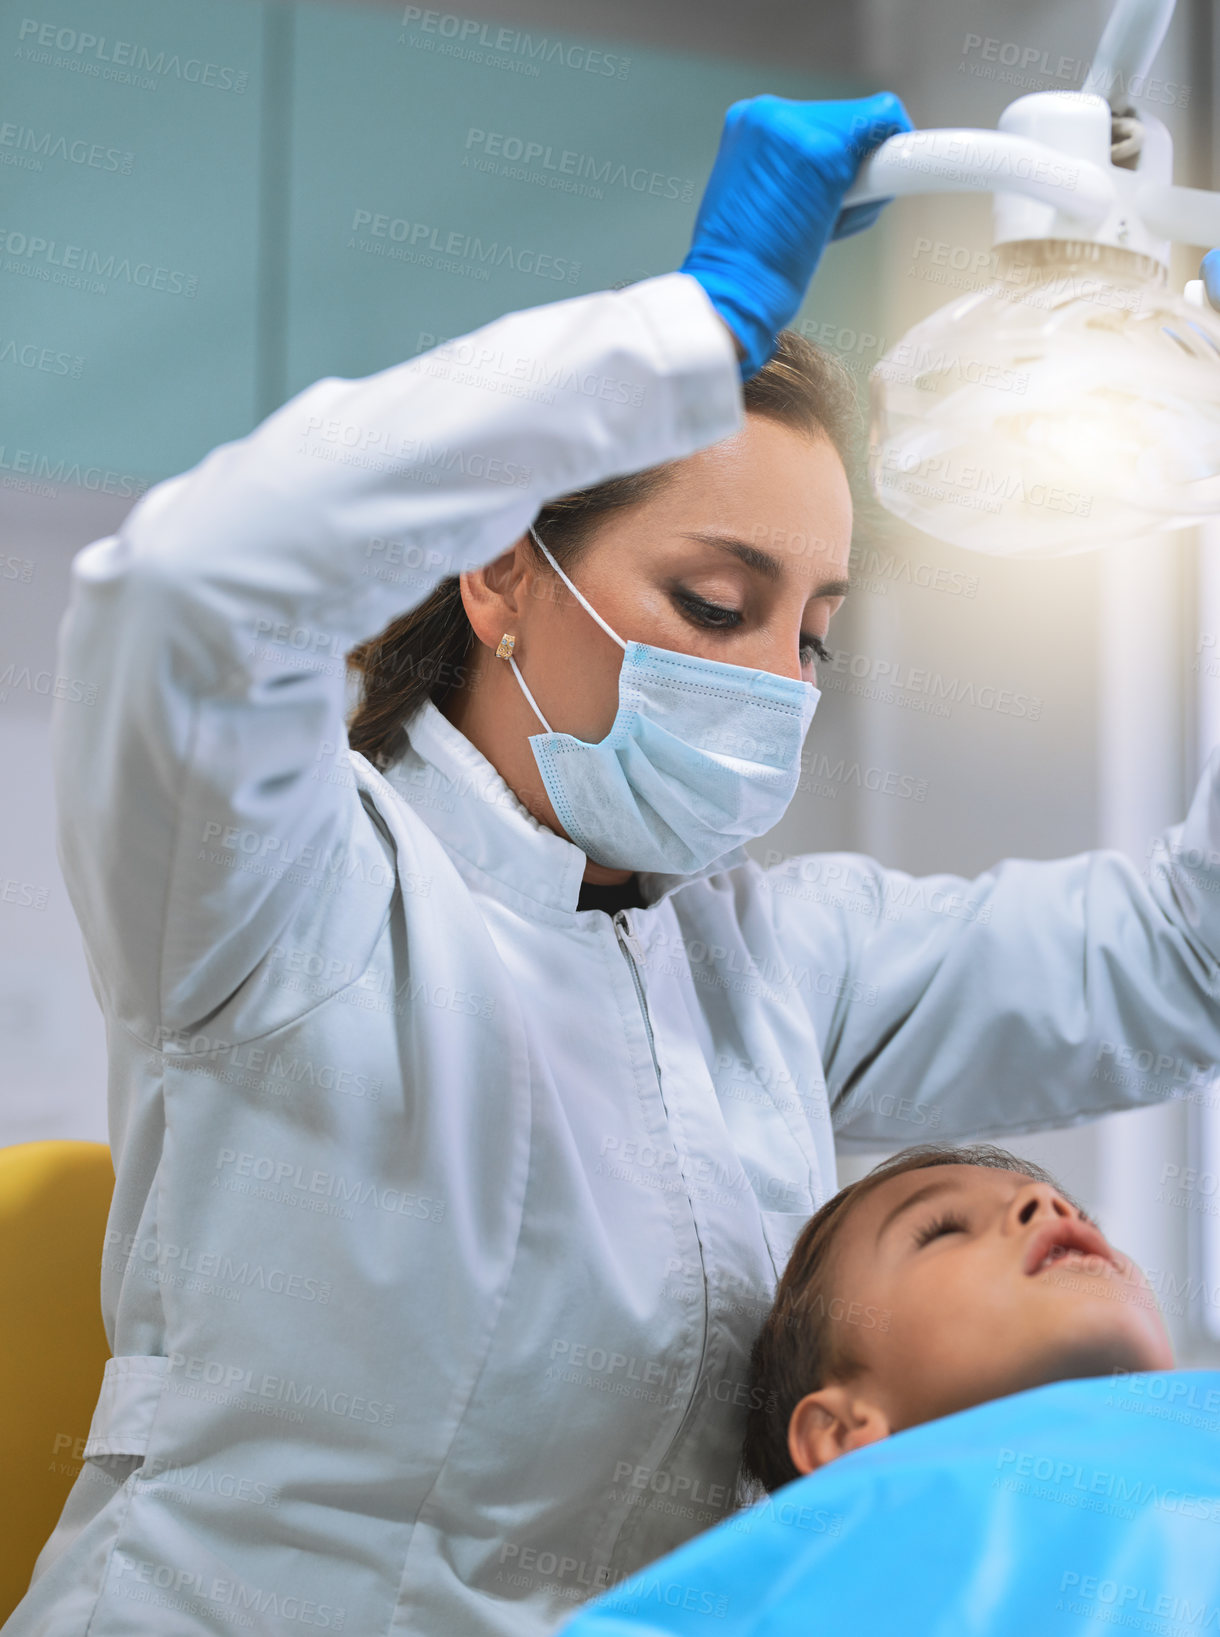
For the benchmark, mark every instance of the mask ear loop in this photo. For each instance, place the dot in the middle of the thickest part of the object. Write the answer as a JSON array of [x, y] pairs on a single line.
[[580, 597], [590, 609], [530, 697]]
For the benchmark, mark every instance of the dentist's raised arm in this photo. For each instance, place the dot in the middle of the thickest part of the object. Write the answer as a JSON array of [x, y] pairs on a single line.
[[198, 799], [1040, 993]]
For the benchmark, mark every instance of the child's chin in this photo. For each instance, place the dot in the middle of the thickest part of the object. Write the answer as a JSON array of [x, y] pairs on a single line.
[[1102, 1341]]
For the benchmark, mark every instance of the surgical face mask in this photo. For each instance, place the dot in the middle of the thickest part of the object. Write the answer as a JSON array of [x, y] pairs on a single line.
[[700, 757]]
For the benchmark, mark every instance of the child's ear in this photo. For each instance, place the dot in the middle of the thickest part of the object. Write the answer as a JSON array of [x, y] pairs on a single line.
[[828, 1423]]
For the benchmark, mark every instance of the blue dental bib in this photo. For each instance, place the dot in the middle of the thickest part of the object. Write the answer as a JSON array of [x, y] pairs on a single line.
[[1084, 1506]]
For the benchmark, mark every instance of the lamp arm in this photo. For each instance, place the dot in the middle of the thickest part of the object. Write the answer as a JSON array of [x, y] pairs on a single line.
[[976, 161], [1187, 215], [1129, 42]]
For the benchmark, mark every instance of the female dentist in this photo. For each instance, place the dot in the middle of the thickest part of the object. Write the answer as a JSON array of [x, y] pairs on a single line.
[[447, 1201]]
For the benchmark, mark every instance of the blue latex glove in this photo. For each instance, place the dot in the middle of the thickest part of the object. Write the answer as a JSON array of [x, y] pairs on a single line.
[[1209, 272], [772, 203]]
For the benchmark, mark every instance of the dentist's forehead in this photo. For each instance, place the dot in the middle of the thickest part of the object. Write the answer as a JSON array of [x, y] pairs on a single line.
[[773, 563]]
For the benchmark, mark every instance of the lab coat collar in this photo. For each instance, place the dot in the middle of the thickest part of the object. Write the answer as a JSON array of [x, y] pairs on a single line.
[[499, 843]]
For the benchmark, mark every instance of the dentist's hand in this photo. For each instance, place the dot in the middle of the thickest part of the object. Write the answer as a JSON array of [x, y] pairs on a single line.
[[772, 203]]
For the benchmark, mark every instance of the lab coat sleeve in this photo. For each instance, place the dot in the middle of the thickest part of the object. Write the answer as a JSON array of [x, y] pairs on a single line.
[[1038, 994], [208, 634]]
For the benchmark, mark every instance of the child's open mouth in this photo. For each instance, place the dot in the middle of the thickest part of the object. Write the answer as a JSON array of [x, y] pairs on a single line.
[[1077, 1242], [1056, 1254]]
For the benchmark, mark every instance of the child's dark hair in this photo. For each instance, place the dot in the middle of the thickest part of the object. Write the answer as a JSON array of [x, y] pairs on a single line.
[[800, 1348]]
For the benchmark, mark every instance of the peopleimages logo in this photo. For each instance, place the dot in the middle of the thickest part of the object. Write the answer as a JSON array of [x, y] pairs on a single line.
[[30, 147], [194, 1589], [123, 60], [472, 39], [422, 242], [522, 151], [82, 268], [233, 1379], [48, 360], [1030, 66], [894, 680], [69, 473], [285, 1176]]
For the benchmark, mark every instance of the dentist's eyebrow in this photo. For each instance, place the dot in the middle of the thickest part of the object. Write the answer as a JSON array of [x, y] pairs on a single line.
[[929, 1188], [762, 562]]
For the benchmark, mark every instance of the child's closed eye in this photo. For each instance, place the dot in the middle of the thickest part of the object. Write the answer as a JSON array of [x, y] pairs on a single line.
[[943, 1224]]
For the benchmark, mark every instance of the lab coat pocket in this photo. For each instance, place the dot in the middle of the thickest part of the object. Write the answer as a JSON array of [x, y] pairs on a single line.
[[132, 1386], [781, 1229]]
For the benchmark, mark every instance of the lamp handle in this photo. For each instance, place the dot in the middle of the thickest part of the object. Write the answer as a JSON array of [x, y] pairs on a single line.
[[976, 161]]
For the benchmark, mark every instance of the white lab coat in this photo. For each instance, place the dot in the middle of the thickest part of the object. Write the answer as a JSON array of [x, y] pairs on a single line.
[[445, 1212]]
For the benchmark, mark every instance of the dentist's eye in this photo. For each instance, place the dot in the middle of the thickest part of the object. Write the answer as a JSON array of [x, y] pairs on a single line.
[[942, 1224], [710, 615]]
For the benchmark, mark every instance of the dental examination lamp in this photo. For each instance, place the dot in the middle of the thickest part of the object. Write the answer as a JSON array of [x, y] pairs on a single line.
[[1074, 400]]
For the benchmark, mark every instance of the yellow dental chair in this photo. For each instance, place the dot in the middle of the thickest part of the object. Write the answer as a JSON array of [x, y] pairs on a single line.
[[54, 1201]]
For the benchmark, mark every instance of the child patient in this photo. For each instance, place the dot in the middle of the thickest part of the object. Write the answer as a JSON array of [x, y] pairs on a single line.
[[960, 1298], [943, 1278]]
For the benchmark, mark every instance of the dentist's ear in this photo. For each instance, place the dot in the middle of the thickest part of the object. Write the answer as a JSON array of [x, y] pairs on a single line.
[[495, 595], [828, 1423]]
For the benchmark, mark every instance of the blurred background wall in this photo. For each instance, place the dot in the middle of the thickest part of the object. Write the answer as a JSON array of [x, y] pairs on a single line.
[[207, 206]]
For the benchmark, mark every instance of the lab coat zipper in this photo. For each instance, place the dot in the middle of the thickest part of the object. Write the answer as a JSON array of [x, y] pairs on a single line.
[[633, 952]]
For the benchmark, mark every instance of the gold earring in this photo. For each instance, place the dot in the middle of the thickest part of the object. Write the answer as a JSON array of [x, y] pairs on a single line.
[[507, 644]]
